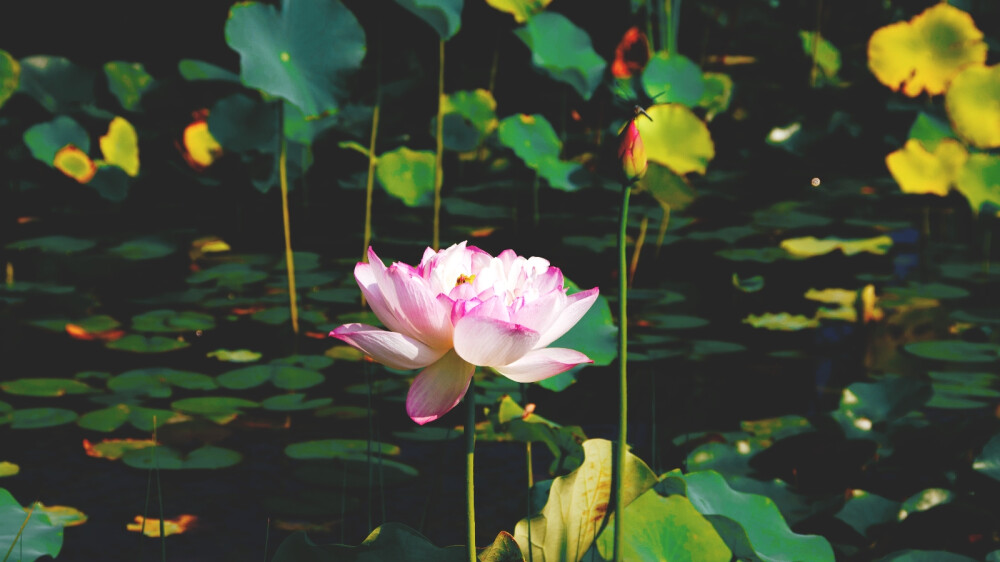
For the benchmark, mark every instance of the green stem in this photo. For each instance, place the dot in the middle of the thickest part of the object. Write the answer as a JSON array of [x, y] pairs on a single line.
[[283, 179], [370, 185], [619, 467], [267, 538], [439, 155], [470, 452], [531, 508], [17, 537]]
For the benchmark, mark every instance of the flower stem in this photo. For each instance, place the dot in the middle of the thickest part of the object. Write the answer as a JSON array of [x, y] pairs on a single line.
[[289, 257], [619, 467], [370, 185], [470, 451], [438, 156]]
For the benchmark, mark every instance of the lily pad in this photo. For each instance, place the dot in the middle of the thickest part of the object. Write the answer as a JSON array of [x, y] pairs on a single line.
[[143, 249], [300, 53], [142, 344], [128, 81], [217, 408], [957, 351], [811, 246], [171, 321], [44, 140], [168, 458], [120, 146], [192, 69], [34, 418], [332, 448], [110, 419], [229, 275], [46, 387], [563, 51], [288, 377], [294, 402], [158, 382], [920, 171]]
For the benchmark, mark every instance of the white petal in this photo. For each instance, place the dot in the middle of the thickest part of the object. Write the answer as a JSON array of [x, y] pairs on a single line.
[[482, 340], [389, 348], [438, 388], [427, 316], [542, 364], [576, 306]]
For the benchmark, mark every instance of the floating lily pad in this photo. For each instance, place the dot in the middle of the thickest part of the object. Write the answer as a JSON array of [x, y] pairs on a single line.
[[110, 419], [781, 321], [786, 216], [564, 51], [340, 296], [142, 344], [286, 377], [729, 234], [865, 509], [171, 321], [33, 418], [229, 275], [937, 291], [46, 387], [293, 402], [128, 81], [301, 53], [700, 348], [954, 390], [143, 249], [307, 361], [158, 382], [428, 433], [749, 284], [281, 315], [333, 448], [761, 255], [54, 244], [957, 351], [236, 355], [168, 458], [220, 409]]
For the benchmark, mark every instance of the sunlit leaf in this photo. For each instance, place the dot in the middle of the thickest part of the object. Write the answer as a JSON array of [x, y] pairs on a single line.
[[10, 76], [782, 321], [717, 94], [33, 418], [407, 174], [522, 10], [676, 138], [445, 16], [865, 509], [44, 140], [979, 182], [955, 350], [191, 69], [40, 536], [925, 500], [114, 449], [827, 56], [564, 51], [75, 163], [300, 53], [468, 117], [236, 355], [8, 469], [973, 103], [810, 246], [930, 130], [673, 78], [42, 386], [62, 515], [918, 171], [534, 141], [662, 528], [128, 81], [200, 147], [56, 82], [167, 458], [151, 527], [926, 52], [120, 146], [142, 344], [578, 502]]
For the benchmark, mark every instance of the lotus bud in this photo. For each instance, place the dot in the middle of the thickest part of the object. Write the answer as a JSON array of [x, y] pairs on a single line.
[[632, 153]]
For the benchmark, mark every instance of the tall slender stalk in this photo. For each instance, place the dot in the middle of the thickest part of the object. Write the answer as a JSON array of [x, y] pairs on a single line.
[[619, 466], [283, 179], [439, 155], [370, 185], [470, 452]]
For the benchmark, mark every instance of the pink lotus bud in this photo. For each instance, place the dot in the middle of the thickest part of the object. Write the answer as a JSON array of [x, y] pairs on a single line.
[[632, 153]]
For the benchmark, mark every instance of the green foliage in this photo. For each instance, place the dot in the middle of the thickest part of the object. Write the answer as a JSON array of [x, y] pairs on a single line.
[[158, 382], [563, 51], [45, 139], [45, 387], [193, 70], [128, 81], [40, 537], [56, 83], [287, 377], [534, 141], [167, 458], [143, 344], [35, 418], [407, 175], [10, 76], [445, 16], [673, 78], [595, 334]]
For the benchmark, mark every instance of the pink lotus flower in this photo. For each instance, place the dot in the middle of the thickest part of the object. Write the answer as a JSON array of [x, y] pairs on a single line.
[[462, 308]]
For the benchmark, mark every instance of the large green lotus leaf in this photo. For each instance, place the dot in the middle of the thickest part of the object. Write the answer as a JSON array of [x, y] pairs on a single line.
[[955, 350], [111, 182], [676, 138], [407, 175], [288, 377], [157, 382], [564, 51], [667, 187], [910, 555], [142, 344], [167, 458], [827, 55], [46, 387], [300, 53], [578, 503], [727, 459], [56, 82], [303, 130], [192, 69], [979, 182], [469, 116], [33, 418], [534, 141], [522, 10], [884, 400], [241, 123], [143, 249], [988, 461], [864, 509], [973, 103], [673, 79], [45, 139], [930, 130], [595, 335], [662, 528], [40, 536], [332, 448], [445, 16], [766, 530], [171, 321], [10, 76], [128, 81]]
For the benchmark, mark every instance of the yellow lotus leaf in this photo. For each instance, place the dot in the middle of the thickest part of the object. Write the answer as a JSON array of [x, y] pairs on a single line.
[[151, 527], [840, 312], [202, 148], [973, 104], [918, 171], [845, 297], [871, 312], [9, 469], [979, 182], [62, 515], [925, 53], [676, 138], [120, 146], [781, 321], [113, 449], [810, 246], [75, 163]]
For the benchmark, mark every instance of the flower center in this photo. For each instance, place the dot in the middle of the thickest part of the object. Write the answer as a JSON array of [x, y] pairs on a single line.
[[463, 278]]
